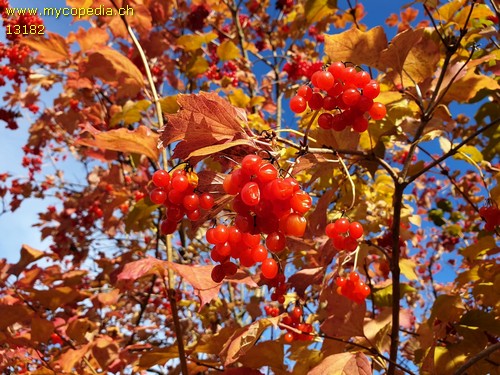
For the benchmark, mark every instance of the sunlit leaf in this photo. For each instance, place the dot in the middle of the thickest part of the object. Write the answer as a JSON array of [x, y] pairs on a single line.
[[227, 50], [50, 50], [343, 363]]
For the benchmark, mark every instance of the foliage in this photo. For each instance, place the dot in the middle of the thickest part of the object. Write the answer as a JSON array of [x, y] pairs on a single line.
[[198, 85]]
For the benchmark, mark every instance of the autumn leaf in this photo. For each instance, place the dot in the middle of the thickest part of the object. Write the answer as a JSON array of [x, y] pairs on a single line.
[[140, 141], [343, 363], [91, 39], [204, 120], [50, 50], [140, 268], [193, 42], [395, 55], [357, 47], [41, 329], [344, 317], [113, 67], [105, 350], [28, 255], [227, 50], [130, 113], [56, 297], [157, 356], [245, 338], [316, 10]]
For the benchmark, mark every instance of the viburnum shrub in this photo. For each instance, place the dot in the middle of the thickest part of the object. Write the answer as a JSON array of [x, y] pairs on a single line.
[[250, 186]]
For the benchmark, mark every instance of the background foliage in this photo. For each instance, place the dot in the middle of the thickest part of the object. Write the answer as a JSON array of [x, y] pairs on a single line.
[[112, 294]]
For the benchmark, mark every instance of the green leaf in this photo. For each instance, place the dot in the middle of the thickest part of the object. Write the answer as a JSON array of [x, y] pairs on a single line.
[[139, 218], [383, 296], [436, 215], [131, 112], [445, 205], [227, 50]]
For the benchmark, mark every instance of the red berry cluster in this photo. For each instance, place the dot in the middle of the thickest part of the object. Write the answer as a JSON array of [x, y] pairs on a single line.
[[352, 287], [177, 193], [280, 285], [267, 203], [294, 320], [264, 203], [492, 216], [344, 234], [272, 310], [344, 94]]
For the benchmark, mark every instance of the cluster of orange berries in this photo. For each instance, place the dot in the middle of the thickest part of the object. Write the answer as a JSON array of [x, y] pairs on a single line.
[[344, 94], [352, 287], [177, 193]]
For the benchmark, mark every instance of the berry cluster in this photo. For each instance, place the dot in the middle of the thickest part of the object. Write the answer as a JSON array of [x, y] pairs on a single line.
[[293, 320], [177, 193], [344, 234], [352, 287], [492, 216], [266, 203], [272, 310], [344, 94]]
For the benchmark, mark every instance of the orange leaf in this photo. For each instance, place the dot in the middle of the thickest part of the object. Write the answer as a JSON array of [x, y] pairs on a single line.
[[358, 47], [245, 338], [345, 317], [395, 55], [28, 255], [104, 350], [50, 50], [111, 66], [41, 329], [343, 363], [204, 119], [140, 141], [91, 38], [56, 297], [69, 359]]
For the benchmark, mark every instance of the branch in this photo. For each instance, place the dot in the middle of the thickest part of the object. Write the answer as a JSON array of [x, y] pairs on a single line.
[[396, 276], [453, 150], [479, 356]]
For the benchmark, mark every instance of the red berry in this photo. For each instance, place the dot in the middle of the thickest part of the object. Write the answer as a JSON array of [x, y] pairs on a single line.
[[161, 178], [371, 89], [325, 120], [269, 268], [351, 97], [250, 194], [288, 337], [158, 196], [377, 111], [191, 202], [305, 91], [301, 202], [325, 80], [342, 225], [206, 201], [298, 104], [316, 101], [259, 253], [276, 241], [295, 225], [251, 164], [180, 183], [220, 234], [218, 273], [355, 230]]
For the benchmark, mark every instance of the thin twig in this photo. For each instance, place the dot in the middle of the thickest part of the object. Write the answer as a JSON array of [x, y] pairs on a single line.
[[353, 187], [479, 356]]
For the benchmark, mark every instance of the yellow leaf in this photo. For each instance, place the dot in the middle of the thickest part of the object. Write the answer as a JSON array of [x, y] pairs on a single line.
[[193, 42], [131, 112], [227, 50], [316, 10], [239, 99], [169, 104], [479, 11], [467, 153], [50, 50], [467, 87], [358, 47], [479, 248], [197, 65], [407, 267]]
